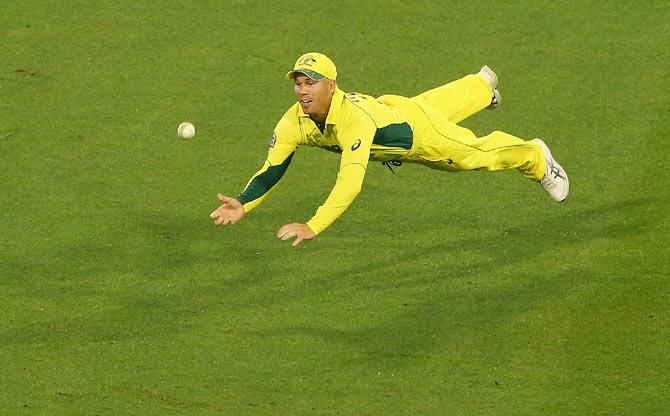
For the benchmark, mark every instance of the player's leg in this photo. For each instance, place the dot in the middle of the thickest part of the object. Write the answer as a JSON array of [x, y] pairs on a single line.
[[497, 151], [441, 144], [462, 98]]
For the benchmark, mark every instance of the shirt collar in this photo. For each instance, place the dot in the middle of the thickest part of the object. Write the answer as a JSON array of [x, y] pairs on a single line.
[[335, 105]]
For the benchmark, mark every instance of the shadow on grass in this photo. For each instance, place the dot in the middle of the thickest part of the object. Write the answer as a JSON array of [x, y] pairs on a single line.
[[143, 278], [417, 329]]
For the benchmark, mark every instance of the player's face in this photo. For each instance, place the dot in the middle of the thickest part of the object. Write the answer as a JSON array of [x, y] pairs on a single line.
[[314, 96]]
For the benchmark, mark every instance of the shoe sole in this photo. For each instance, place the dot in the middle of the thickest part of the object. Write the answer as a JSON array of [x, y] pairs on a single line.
[[497, 98], [494, 76]]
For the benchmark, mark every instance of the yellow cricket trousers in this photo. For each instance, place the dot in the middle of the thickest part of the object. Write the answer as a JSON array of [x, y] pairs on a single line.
[[440, 143]]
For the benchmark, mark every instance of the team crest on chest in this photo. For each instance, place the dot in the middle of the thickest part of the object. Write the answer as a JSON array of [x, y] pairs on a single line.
[[273, 140]]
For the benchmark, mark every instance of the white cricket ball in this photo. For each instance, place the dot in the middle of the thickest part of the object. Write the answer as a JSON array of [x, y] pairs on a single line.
[[186, 130]]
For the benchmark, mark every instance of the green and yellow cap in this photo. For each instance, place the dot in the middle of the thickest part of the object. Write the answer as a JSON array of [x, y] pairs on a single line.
[[315, 65]]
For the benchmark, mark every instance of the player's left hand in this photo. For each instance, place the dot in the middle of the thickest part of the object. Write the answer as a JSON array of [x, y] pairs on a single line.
[[299, 231]]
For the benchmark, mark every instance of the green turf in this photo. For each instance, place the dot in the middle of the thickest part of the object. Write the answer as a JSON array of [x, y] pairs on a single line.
[[435, 294]]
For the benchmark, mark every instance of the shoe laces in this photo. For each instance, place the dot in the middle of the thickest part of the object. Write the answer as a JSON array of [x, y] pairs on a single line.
[[390, 163], [548, 182]]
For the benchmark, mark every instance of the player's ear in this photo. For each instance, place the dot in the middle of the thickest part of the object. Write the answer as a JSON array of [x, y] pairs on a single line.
[[331, 85]]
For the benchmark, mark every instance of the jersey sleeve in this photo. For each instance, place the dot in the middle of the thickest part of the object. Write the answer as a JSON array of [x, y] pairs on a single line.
[[355, 138], [282, 148]]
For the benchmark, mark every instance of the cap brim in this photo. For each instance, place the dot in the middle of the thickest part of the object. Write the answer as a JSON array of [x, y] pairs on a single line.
[[308, 72]]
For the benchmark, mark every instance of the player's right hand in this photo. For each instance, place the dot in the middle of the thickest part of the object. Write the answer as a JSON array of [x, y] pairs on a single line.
[[230, 212]]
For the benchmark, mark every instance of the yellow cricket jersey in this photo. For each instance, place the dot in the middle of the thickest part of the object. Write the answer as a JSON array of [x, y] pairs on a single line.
[[358, 126]]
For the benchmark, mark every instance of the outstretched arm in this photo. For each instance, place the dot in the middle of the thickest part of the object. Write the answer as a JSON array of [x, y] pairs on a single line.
[[258, 187], [355, 139], [266, 179]]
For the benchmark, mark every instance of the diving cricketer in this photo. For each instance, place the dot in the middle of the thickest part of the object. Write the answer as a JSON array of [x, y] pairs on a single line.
[[391, 129]]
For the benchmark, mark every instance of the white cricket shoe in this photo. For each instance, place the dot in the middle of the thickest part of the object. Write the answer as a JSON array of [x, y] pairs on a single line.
[[555, 180], [491, 77]]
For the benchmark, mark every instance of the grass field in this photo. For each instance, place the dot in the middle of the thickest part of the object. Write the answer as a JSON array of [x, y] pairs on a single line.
[[435, 294]]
